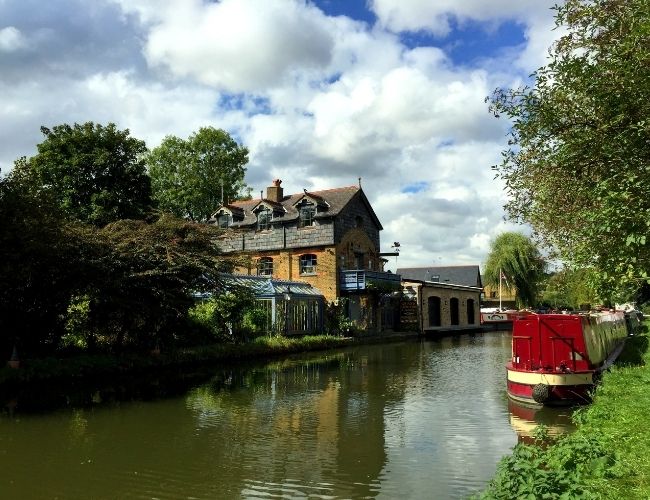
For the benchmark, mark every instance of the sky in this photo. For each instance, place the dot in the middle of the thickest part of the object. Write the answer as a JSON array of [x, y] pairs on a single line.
[[321, 92]]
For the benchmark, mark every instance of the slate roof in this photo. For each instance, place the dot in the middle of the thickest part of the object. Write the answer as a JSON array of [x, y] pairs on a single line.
[[454, 275], [336, 199]]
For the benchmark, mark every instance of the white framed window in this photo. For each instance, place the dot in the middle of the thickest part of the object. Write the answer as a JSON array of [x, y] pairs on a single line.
[[308, 264], [307, 213], [264, 217], [265, 266]]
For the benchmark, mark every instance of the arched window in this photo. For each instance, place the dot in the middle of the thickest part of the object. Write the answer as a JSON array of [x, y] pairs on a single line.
[[264, 219], [470, 311], [433, 304], [453, 311], [308, 264], [265, 266]]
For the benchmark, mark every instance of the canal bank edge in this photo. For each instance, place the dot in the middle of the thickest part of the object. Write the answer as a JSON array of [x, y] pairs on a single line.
[[105, 365], [609, 454]]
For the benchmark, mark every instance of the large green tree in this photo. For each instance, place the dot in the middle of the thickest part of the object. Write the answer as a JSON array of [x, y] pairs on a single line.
[[578, 165], [190, 178], [96, 173], [128, 284], [515, 257]]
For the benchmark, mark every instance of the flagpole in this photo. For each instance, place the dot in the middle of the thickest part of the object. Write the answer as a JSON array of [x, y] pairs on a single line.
[[500, 278]]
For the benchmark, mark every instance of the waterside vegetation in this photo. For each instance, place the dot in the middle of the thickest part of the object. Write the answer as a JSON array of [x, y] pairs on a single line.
[[105, 365]]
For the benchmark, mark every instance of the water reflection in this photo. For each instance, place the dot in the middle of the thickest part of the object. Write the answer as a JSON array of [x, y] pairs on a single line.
[[526, 419], [416, 419]]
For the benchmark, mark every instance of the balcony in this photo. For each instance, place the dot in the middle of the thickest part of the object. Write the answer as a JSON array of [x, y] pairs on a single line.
[[361, 279]]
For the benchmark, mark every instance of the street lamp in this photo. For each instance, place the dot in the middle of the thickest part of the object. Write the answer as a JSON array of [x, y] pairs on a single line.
[[287, 300]]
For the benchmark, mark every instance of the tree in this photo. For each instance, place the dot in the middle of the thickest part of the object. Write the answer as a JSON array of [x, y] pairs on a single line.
[[95, 173], [569, 288], [577, 168], [516, 257], [41, 265], [190, 178], [149, 273], [128, 284]]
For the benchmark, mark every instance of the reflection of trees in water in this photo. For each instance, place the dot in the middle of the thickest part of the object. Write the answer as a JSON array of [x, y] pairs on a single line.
[[306, 419]]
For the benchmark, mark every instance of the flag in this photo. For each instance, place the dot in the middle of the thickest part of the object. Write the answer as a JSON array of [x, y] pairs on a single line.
[[503, 277]]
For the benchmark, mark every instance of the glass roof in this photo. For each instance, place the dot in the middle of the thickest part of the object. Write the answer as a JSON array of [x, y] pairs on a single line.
[[267, 287]]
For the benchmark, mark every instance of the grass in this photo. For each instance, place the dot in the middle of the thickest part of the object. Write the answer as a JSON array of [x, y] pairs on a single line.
[[608, 457]]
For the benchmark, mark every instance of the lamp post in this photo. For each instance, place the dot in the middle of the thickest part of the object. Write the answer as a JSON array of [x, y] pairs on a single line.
[[287, 300]]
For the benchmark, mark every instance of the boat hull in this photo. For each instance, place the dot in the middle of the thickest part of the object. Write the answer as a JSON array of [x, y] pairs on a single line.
[[539, 388]]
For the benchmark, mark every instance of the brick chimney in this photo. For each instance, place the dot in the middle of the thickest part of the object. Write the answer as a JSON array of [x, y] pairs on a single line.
[[275, 192]]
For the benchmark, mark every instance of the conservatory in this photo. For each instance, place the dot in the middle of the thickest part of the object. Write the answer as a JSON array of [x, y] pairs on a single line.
[[292, 307]]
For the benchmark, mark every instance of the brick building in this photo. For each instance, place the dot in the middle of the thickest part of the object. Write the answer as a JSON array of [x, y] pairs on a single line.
[[447, 298], [329, 239]]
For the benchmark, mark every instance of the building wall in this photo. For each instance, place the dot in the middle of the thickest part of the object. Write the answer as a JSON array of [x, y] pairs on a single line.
[[286, 266], [356, 215], [278, 237], [357, 241], [491, 297], [446, 294]]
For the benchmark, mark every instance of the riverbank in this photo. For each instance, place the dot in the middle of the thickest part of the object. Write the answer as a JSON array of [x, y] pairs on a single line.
[[101, 366], [609, 454]]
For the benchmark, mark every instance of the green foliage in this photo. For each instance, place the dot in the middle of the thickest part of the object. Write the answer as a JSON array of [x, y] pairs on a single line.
[[77, 324], [517, 257], [577, 166], [231, 315], [336, 321], [188, 176], [69, 285], [43, 262], [570, 288], [95, 173]]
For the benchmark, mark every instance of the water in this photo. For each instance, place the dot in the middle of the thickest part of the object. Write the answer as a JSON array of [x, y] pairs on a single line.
[[416, 419]]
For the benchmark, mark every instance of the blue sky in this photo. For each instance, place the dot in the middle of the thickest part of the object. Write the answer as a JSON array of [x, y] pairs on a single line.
[[321, 92]]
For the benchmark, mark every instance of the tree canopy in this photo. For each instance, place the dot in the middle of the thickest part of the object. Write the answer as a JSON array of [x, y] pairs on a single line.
[[190, 178], [128, 284], [95, 173], [516, 257], [578, 164]]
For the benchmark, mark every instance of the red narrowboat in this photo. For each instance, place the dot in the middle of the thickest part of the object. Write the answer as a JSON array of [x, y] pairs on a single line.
[[557, 357]]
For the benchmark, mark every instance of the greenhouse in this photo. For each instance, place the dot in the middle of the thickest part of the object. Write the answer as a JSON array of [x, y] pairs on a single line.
[[293, 307]]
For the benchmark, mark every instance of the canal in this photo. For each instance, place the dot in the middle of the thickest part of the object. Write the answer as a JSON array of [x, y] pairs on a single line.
[[414, 419]]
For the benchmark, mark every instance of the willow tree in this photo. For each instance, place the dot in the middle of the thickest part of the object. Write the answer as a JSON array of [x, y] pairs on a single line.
[[578, 164], [514, 262]]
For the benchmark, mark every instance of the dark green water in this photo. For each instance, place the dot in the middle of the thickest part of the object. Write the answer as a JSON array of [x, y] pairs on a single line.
[[417, 419]]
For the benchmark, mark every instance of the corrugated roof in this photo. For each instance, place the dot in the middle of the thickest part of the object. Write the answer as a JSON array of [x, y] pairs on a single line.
[[455, 275]]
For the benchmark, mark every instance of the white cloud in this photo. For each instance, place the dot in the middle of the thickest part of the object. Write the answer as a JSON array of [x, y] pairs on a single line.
[[11, 39], [425, 15], [237, 45], [319, 101]]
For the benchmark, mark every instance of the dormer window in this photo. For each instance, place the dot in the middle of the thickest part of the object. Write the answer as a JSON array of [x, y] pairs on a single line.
[[307, 213], [224, 220], [226, 216], [264, 217]]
